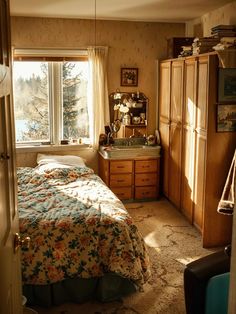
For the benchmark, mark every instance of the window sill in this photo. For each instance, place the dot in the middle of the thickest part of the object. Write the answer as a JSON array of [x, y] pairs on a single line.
[[51, 148]]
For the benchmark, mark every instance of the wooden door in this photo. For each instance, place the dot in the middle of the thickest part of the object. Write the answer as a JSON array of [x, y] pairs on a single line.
[[177, 74], [164, 90], [200, 178], [164, 122], [220, 147], [10, 287], [201, 142], [188, 145], [164, 129], [175, 164]]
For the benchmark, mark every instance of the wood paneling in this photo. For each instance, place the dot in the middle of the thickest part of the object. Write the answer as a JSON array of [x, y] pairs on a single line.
[[164, 129], [188, 143], [176, 107], [196, 153], [164, 122], [164, 91], [200, 180], [187, 174]]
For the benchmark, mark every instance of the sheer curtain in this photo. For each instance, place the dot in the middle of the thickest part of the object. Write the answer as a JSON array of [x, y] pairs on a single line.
[[98, 102]]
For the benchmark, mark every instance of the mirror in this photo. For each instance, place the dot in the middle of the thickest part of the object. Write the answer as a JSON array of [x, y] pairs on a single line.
[[130, 109]]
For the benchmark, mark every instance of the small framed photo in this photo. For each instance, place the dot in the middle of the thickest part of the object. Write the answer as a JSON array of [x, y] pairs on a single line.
[[129, 77], [226, 118], [227, 85]]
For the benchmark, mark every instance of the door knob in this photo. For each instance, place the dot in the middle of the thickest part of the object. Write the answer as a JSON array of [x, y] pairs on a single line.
[[19, 242]]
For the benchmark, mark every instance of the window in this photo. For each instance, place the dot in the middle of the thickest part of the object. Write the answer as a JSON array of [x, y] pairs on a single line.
[[31, 101], [50, 100]]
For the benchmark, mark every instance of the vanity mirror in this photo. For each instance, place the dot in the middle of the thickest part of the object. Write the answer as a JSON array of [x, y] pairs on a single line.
[[131, 110]]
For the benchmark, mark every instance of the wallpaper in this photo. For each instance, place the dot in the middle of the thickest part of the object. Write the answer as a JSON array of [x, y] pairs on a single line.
[[225, 15], [131, 44]]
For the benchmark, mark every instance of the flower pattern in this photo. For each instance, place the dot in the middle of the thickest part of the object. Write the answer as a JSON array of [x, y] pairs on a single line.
[[78, 228]]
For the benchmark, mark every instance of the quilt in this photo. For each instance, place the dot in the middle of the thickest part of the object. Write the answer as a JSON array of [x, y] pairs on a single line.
[[77, 226]]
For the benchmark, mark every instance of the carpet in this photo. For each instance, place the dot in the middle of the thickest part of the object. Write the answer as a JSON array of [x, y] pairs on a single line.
[[172, 243]]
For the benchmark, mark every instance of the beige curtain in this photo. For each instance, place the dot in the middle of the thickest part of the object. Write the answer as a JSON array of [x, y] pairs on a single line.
[[98, 102], [5, 80]]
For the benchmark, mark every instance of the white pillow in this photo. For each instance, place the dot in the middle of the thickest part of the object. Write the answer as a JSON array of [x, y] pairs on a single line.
[[65, 160]]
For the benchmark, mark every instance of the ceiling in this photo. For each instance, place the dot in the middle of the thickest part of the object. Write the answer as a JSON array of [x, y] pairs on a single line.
[[127, 10]]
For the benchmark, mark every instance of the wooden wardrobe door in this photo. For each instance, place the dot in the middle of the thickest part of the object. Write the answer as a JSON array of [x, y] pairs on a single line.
[[188, 145], [201, 143], [164, 122], [177, 74], [164, 90], [164, 129]]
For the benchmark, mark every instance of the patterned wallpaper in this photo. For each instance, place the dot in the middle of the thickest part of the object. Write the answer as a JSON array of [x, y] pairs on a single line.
[[131, 44], [225, 15]]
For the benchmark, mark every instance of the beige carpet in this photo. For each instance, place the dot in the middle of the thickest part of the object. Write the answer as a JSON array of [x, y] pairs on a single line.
[[172, 243]]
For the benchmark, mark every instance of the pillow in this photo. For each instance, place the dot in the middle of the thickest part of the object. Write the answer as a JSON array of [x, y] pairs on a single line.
[[65, 160]]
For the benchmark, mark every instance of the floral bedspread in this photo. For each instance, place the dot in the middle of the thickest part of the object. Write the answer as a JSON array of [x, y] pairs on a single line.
[[77, 226]]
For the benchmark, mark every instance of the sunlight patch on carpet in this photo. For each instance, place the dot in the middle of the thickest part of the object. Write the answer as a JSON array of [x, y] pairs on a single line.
[[152, 240], [187, 260]]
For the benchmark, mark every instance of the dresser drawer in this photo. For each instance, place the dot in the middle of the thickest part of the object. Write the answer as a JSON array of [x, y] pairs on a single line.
[[142, 166], [121, 166], [123, 193], [146, 192], [143, 179], [119, 180]]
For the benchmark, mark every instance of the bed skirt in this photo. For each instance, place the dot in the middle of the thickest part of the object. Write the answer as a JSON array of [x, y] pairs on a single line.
[[110, 287]]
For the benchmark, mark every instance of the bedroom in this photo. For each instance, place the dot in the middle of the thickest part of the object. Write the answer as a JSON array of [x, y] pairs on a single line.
[[148, 38]]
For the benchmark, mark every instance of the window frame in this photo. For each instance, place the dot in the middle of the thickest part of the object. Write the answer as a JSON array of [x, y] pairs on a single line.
[[55, 59]]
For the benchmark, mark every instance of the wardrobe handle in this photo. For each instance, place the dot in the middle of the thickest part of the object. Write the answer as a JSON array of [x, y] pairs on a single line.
[[4, 156]]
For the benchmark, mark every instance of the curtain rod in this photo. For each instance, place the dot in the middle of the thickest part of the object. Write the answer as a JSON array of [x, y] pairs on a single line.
[[48, 51], [33, 51]]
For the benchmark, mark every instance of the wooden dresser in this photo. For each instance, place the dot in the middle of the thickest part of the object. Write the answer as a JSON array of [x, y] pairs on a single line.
[[136, 178]]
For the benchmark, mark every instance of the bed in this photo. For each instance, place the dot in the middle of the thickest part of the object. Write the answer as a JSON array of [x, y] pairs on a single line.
[[84, 243]]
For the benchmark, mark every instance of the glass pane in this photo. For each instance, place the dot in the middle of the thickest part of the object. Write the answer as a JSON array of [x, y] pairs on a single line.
[[75, 111], [31, 105]]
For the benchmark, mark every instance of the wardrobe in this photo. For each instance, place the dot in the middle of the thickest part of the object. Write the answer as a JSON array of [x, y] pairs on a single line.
[[195, 157]]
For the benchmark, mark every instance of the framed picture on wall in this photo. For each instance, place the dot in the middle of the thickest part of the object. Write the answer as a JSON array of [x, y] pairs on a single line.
[[129, 77], [226, 118], [227, 85]]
